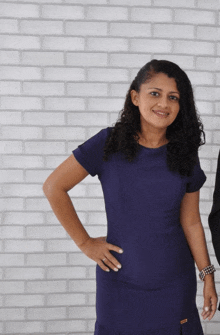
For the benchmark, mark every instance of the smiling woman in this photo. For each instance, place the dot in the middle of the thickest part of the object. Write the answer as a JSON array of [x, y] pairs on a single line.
[[151, 194]]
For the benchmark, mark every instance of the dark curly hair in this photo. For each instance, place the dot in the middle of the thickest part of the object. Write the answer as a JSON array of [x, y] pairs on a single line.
[[184, 134]]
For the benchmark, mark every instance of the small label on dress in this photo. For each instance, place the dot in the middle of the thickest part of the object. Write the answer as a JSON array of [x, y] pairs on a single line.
[[183, 321]]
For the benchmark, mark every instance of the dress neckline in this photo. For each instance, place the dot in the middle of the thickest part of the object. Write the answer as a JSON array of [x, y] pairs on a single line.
[[164, 145]]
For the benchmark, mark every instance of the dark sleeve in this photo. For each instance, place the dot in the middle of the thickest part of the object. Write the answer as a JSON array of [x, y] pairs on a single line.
[[214, 216], [89, 153], [197, 179]]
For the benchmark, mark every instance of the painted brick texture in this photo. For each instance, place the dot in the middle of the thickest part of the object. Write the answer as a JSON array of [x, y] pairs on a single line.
[[65, 67]]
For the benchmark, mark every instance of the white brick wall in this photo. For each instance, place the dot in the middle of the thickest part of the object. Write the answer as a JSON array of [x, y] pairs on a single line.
[[65, 67]]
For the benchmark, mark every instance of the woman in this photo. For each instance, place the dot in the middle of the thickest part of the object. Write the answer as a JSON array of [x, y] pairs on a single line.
[[150, 173], [214, 216]]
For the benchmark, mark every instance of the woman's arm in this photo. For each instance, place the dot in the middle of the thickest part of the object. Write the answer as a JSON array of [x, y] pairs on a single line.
[[60, 181], [194, 232]]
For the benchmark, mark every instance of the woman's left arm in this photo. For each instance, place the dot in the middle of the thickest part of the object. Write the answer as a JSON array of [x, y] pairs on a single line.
[[195, 235]]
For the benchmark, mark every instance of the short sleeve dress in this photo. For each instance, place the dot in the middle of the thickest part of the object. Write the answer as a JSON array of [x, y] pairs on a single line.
[[154, 293]]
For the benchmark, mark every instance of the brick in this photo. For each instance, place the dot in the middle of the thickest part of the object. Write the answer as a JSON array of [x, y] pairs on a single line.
[[42, 58], [10, 147], [205, 107], [23, 218], [65, 104], [107, 44], [194, 16], [78, 312], [174, 31], [67, 326], [61, 245], [82, 285], [25, 327], [24, 300], [8, 26], [21, 133], [8, 287], [79, 119], [130, 29], [193, 47], [92, 2], [151, 14], [44, 286], [21, 103], [24, 162], [37, 176], [25, 246], [22, 190], [9, 203], [107, 13], [11, 260], [39, 88], [66, 272], [11, 176], [19, 10], [201, 78], [63, 43], [128, 60], [86, 28], [48, 313], [37, 204], [19, 42], [211, 4], [24, 273], [130, 2], [107, 74], [66, 133], [67, 299], [174, 3], [44, 118], [86, 59], [72, 74], [63, 12], [43, 232], [10, 87], [12, 314], [43, 1], [44, 147], [208, 63], [207, 93], [54, 161], [8, 232], [19, 73], [208, 33], [211, 123], [10, 117], [218, 79], [147, 45], [97, 104], [44, 259], [119, 90], [87, 89], [9, 57], [41, 27]]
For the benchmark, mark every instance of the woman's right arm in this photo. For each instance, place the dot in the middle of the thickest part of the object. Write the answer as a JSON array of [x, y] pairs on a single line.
[[60, 181]]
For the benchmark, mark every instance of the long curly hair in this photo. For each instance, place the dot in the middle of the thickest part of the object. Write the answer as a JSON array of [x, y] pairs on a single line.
[[184, 134]]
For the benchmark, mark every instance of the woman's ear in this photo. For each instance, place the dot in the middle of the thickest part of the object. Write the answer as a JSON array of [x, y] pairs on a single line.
[[134, 97]]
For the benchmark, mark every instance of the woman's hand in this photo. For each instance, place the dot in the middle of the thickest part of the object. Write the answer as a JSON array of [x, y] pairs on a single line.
[[210, 299], [98, 249]]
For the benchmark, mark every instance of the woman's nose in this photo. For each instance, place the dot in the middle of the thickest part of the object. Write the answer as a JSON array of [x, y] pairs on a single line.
[[163, 102]]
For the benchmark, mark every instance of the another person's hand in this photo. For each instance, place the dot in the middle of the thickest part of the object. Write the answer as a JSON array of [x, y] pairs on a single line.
[[210, 300], [98, 250]]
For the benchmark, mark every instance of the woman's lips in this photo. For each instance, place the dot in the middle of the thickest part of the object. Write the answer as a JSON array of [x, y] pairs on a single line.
[[160, 113]]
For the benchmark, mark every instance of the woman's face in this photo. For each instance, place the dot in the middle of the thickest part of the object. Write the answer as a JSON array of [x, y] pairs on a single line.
[[159, 95]]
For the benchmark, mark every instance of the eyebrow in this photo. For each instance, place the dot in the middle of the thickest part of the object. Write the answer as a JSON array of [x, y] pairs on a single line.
[[161, 90]]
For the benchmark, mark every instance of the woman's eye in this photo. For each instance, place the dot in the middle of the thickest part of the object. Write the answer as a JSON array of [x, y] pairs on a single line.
[[154, 94], [173, 97]]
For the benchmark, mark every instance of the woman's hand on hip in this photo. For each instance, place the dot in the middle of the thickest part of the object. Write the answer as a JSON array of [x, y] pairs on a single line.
[[98, 250]]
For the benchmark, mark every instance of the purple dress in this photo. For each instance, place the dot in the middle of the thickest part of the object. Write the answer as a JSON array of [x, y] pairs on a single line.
[[154, 293]]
